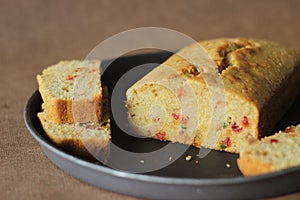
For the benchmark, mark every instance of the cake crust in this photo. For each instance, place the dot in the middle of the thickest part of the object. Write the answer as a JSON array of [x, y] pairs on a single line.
[[250, 167]]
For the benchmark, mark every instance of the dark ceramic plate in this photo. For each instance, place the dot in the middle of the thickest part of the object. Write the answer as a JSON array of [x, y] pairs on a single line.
[[215, 176]]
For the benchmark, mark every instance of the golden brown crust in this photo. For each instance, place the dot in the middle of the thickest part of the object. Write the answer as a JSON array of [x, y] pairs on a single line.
[[251, 167], [87, 110], [88, 149], [60, 111], [283, 99]]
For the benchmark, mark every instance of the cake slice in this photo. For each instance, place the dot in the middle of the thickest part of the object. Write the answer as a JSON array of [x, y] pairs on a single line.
[[182, 100], [273, 153], [71, 91], [86, 140]]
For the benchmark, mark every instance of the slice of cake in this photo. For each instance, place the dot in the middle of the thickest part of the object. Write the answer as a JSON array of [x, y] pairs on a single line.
[[273, 153], [183, 101], [87, 140], [71, 91]]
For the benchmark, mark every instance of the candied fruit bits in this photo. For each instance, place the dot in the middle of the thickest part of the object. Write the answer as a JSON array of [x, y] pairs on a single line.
[[290, 129], [71, 77], [161, 135], [175, 116], [225, 143], [236, 128], [246, 122], [273, 141]]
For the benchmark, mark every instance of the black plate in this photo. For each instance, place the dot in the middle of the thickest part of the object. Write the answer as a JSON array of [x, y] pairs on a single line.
[[210, 178]]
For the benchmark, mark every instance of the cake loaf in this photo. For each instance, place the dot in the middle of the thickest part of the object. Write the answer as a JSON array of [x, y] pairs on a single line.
[[71, 91], [177, 100], [273, 153]]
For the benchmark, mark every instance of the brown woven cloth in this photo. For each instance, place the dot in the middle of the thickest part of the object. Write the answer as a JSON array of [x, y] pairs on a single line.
[[35, 34]]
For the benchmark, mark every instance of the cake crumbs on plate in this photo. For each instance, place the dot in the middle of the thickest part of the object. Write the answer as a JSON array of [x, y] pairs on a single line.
[[188, 158]]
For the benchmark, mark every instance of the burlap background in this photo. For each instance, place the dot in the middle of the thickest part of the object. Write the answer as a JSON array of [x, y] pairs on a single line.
[[35, 34]]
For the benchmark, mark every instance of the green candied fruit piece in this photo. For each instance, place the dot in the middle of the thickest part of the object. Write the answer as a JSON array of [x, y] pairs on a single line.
[[222, 146], [225, 124]]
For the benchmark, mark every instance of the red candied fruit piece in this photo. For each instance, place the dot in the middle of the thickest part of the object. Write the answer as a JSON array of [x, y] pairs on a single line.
[[236, 128], [161, 135], [246, 122], [273, 141], [290, 129], [227, 142], [175, 116], [71, 77]]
